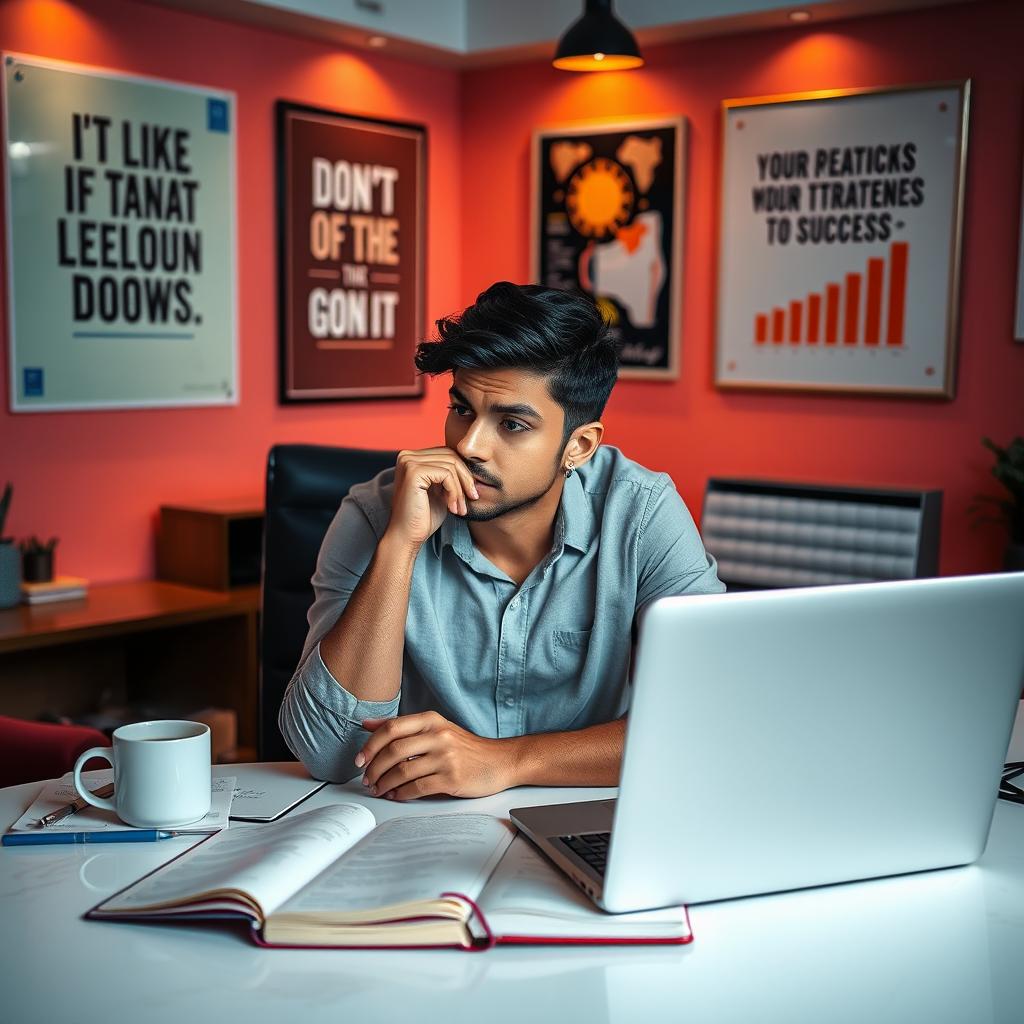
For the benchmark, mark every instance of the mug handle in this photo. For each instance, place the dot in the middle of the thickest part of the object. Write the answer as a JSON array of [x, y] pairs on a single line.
[[107, 753]]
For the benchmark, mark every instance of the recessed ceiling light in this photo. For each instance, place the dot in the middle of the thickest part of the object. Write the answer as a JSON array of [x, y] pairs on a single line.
[[799, 15], [377, 41]]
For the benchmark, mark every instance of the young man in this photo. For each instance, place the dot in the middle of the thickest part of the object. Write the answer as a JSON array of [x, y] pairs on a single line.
[[471, 629]]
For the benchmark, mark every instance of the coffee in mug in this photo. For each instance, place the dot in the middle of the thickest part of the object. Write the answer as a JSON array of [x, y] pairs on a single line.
[[162, 776]]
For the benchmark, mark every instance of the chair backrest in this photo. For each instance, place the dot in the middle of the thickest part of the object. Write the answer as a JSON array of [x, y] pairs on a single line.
[[30, 751], [769, 534], [305, 486]]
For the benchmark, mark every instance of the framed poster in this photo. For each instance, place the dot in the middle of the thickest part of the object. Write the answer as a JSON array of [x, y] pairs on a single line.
[[1018, 326], [120, 196], [608, 220], [839, 245], [351, 236]]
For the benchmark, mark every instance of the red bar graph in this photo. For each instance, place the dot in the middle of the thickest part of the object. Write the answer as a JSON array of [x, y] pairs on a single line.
[[796, 316], [899, 256], [854, 308], [873, 319], [813, 318], [761, 328], [832, 314]]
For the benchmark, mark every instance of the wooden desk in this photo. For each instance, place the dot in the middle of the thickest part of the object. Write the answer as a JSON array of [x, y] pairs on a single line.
[[146, 642]]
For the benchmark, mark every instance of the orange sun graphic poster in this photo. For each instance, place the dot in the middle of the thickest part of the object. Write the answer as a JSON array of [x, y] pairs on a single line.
[[607, 220]]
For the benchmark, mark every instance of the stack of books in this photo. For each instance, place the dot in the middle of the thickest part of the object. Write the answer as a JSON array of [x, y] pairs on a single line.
[[60, 588]]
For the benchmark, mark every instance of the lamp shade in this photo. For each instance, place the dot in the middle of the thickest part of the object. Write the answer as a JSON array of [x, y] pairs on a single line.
[[597, 41]]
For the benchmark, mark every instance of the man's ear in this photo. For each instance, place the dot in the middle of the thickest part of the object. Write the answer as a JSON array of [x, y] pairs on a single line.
[[584, 442]]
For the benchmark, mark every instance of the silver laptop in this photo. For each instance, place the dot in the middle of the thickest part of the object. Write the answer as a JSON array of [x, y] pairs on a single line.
[[784, 739]]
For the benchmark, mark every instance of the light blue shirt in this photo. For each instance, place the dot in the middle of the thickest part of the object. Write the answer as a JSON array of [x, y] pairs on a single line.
[[497, 658]]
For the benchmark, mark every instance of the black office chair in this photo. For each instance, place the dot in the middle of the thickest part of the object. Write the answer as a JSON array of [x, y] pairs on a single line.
[[305, 486]]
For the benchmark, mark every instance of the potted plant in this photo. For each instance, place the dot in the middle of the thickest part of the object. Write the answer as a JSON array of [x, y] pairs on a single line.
[[1009, 471], [10, 559]]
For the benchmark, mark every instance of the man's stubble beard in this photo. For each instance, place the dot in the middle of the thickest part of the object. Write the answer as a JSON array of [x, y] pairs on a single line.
[[472, 516]]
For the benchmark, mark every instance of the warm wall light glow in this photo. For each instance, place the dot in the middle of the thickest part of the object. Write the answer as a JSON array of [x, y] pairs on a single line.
[[351, 74], [598, 62], [59, 18], [812, 55], [799, 15], [377, 41]]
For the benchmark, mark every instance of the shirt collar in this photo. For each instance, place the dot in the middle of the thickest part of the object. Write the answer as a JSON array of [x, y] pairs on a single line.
[[574, 525], [454, 532], [574, 515]]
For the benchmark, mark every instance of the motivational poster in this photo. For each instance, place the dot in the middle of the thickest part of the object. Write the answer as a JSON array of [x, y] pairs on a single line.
[[351, 240], [839, 246], [121, 239], [608, 221]]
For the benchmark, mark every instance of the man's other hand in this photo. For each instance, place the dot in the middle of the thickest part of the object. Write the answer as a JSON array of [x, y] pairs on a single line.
[[423, 755]]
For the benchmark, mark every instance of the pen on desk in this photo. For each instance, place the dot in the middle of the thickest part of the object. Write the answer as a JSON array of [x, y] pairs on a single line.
[[46, 838], [76, 805]]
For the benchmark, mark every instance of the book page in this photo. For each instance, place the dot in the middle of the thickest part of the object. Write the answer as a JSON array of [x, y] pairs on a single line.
[[269, 862], [409, 859], [529, 896]]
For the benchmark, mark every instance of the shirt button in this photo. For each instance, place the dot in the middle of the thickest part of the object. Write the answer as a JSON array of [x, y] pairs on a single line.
[[509, 702], [514, 603]]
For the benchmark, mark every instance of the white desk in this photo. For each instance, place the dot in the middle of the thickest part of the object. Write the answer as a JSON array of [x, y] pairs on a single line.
[[936, 947]]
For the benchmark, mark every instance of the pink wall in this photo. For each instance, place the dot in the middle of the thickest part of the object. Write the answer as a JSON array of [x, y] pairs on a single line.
[[97, 478], [690, 429]]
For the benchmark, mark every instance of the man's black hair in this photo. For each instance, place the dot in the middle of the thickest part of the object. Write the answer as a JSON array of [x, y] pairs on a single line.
[[558, 334]]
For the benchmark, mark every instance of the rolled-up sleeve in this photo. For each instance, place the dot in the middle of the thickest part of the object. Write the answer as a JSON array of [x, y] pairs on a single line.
[[671, 558], [320, 719]]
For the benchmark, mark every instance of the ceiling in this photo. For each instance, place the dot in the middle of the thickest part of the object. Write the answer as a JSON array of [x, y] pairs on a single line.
[[473, 33]]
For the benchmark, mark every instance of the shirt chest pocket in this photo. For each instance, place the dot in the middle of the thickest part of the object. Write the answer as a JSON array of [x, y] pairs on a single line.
[[570, 647]]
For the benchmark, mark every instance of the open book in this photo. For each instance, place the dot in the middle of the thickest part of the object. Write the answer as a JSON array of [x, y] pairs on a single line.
[[333, 877]]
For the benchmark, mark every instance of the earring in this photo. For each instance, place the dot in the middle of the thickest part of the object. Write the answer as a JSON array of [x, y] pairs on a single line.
[[568, 469]]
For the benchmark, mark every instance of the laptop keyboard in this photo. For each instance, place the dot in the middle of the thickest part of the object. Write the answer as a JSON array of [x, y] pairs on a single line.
[[591, 847]]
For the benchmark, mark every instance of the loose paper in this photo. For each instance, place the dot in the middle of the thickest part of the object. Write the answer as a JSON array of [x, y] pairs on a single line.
[[61, 792]]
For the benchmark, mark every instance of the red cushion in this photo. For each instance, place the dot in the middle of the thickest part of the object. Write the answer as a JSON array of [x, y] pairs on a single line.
[[30, 751]]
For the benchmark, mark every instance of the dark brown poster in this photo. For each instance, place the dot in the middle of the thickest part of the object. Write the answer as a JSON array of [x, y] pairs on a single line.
[[351, 241]]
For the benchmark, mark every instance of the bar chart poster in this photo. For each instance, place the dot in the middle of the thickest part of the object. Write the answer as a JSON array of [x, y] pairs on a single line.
[[120, 194], [607, 220], [839, 245]]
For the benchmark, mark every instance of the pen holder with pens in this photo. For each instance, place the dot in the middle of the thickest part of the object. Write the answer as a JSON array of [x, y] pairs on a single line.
[[37, 560]]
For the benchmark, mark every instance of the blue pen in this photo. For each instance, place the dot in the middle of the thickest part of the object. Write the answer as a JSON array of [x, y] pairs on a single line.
[[45, 838]]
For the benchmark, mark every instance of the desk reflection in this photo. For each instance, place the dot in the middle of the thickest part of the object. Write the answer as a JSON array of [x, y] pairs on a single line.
[[913, 948]]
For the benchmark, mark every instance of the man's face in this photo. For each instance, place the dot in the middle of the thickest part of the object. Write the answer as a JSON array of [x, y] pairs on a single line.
[[508, 430]]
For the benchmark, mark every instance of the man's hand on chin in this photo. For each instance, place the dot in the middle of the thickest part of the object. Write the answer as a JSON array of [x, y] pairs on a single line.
[[423, 755]]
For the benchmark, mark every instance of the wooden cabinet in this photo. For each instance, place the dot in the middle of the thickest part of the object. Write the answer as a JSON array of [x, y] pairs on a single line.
[[214, 544], [146, 642]]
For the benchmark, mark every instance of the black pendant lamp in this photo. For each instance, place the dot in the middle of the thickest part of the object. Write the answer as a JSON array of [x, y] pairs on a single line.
[[597, 41]]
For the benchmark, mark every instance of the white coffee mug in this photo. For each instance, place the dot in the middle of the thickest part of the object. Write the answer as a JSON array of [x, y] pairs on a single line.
[[162, 775]]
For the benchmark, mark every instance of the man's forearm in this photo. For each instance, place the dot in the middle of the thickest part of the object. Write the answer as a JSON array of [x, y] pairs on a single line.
[[587, 757], [365, 647]]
